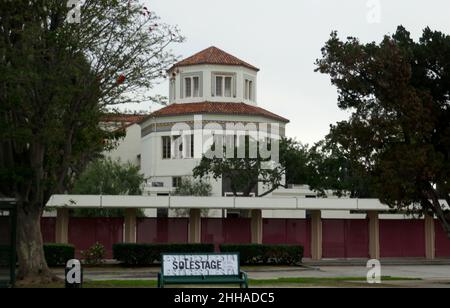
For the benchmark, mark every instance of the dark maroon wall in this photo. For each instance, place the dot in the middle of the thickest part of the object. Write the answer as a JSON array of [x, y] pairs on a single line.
[[442, 241], [402, 238], [288, 231], [85, 232], [162, 230], [342, 238], [230, 230], [345, 238]]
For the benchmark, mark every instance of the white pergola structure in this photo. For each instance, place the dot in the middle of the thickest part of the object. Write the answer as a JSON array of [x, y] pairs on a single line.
[[372, 207]]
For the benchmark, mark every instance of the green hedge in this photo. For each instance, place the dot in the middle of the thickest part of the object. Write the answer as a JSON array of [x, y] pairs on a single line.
[[58, 254], [252, 254], [148, 254]]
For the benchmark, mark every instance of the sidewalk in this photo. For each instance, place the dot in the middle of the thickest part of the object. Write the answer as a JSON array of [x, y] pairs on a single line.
[[387, 261], [432, 274]]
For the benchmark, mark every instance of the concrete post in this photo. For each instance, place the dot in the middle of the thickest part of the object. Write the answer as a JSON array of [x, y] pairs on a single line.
[[374, 235], [430, 245], [62, 226], [256, 226], [316, 235], [195, 226], [130, 226]]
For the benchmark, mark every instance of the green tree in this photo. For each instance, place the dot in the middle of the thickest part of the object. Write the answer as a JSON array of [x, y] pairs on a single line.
[[108, 177], [245, 173], [56, 81], [331, 168], [295, 157], [189, 187], [399, 129], [197, 188]]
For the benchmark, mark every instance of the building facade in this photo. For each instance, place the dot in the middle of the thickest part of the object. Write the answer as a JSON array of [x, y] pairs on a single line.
[[212, 99], [128, 149]]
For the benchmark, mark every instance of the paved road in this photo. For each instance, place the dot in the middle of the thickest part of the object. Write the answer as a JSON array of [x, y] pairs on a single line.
[[406, 271], [431, 275]]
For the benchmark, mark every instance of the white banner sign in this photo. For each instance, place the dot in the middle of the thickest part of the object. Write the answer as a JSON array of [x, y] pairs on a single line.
[[201, 265]]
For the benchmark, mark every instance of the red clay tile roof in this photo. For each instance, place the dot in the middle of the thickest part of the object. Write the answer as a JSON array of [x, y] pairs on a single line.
[[215, 108], [123, 118], [213, 55]]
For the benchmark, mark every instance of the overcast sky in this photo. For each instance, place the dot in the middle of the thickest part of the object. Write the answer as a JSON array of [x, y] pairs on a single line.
[[283, 38]]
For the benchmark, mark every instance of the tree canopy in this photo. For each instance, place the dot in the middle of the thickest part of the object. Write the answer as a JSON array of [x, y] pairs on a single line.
[[399, 131], [189, 187], [108, 177], [245, 173], [331, 170], [56, 80]]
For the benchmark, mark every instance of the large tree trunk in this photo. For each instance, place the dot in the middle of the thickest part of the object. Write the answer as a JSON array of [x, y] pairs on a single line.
[[442, 217], [436, 206], [33, 268]]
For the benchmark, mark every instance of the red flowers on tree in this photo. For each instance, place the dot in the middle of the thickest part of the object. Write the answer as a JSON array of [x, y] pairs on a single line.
[[121, 79]]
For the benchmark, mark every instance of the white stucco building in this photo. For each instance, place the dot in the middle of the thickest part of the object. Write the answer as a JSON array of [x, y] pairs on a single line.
[[128, 149], [209, 91]]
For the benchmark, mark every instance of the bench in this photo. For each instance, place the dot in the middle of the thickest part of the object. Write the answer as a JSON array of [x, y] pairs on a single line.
[[204, 268]]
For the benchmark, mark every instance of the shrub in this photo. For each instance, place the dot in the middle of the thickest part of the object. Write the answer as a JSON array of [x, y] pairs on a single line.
[[58, 254], [148, 254], [94, 255], [251, 254]]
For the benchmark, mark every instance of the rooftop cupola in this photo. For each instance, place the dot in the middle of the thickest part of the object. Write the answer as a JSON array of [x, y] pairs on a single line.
[[212, 75]]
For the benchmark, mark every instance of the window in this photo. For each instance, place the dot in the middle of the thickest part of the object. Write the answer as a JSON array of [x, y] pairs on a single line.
[[178, 147], [248, 89], [189, 141], [172, 89], [227, 86], [196, 85], [218, 142], [176, 181], [268, 143], [192, 86], [188, 87], [192, 146], [224, 86], [166, 147], [219, 80], [172, 147], [139, 160]]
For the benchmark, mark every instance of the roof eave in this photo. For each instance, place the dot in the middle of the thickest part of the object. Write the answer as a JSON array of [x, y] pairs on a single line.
[[206, 63], [153, 116]]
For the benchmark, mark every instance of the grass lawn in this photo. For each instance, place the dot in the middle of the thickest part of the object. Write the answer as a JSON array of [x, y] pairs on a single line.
[[279, 282]]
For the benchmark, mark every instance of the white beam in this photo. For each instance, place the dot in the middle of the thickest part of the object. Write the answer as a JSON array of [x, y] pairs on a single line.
[[267, 203]]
